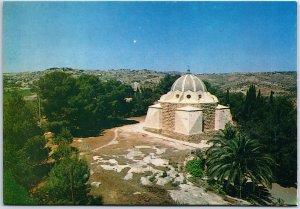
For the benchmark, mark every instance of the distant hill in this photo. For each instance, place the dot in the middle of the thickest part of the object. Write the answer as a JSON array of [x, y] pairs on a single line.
[[281, 83]]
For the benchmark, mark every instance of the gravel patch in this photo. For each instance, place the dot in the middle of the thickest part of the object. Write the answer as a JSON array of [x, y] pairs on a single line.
[[96, 184], [192, 195], [145, 181]]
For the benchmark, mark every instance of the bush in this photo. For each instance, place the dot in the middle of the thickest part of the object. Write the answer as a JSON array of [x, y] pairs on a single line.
[[35, 148], [215, 186], [64, 151], [196, 168], [55, 126], [66, 184], [64, 136], [14, 193], [164, 174], [198, 153], [175, 183], [152, 178]]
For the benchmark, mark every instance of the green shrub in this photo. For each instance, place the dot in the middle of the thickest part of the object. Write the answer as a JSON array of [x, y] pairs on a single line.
[[196, 168], [216, 186], [14, 193], [164, 174], [55, 126], [279, 202], [64, 151], [175, 183], [198, 153], [35, 148], [152, 178], [64, 136]]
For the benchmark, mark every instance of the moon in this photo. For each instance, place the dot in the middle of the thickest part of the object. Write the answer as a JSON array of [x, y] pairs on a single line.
[[134, 41]]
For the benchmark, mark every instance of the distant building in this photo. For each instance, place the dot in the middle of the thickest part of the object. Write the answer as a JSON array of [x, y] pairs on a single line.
[[136, 87], [187, 111]]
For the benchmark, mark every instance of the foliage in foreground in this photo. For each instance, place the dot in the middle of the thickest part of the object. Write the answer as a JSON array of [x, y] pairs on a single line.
[[25, 162], [238, 161], [13, 192], [270, 120], [64, 151], [66, 184], [23, 149], [196, 168]]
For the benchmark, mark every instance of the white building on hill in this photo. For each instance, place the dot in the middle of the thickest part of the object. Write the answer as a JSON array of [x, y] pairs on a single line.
[[188, 111]]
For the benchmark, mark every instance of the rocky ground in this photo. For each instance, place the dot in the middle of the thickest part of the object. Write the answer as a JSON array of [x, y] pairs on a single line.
[[130, 166]]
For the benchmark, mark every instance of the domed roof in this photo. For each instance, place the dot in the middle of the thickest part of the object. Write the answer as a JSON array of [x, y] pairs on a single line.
[[188, 82]]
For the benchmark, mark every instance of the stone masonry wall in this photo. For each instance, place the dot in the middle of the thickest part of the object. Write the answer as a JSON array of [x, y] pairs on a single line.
[[168, 122], [209, 110], [168, 116]]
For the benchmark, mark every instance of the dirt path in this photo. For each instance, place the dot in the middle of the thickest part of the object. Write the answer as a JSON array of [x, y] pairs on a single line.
[[113, 141]]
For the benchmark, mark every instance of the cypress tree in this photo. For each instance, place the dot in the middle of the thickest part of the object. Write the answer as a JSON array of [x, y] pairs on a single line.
[[227, 99], [250, 102], [271, 98]]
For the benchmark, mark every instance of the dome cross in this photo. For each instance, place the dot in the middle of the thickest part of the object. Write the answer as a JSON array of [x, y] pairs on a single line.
[[188, 70]]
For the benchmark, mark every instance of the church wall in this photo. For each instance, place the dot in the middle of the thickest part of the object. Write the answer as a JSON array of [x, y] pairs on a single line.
[[208, 115], [182, 122], [188, 122], [223, 116], [153, 118], [168, 115], [196, 121]]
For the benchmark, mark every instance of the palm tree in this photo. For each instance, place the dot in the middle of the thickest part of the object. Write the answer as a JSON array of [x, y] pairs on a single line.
[[237, 161], [229, 132]]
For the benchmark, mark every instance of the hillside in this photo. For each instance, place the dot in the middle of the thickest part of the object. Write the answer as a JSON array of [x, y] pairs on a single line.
[[281, 83]]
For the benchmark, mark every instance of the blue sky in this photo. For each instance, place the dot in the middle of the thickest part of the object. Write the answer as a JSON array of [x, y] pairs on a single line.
[[210, 37]]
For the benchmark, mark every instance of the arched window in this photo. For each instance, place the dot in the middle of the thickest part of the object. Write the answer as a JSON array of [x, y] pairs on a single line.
[[188, 96]]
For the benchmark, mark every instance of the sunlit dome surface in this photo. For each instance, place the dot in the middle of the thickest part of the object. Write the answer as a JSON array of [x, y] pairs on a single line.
[[189, 82]]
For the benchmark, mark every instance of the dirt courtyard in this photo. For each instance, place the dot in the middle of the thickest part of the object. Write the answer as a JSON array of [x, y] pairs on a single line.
[[130, 166]]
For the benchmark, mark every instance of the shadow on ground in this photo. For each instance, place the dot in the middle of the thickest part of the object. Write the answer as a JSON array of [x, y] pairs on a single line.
[[99, 131]]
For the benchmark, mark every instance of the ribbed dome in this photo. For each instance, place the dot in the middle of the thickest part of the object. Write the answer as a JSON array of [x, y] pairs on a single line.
[[188, 82]]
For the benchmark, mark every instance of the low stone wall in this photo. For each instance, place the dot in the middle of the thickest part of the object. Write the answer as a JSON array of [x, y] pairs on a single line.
[[157, 131], [236, 201], [196, 138]]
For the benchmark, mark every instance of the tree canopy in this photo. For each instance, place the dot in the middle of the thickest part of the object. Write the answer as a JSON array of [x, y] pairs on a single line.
[[23, 148], [83, 105], [272, 121], [66, 184], [239, 160]]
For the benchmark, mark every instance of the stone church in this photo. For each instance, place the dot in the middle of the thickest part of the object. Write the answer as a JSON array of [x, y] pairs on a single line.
[[188, 111]]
